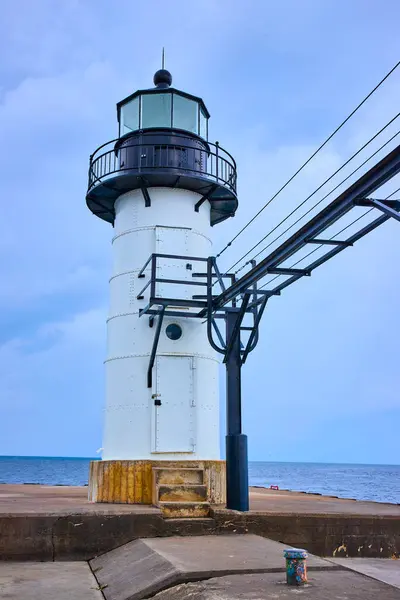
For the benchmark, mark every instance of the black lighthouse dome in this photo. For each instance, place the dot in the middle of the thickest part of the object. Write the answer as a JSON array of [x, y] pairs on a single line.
[[162, 78], [163, 142]]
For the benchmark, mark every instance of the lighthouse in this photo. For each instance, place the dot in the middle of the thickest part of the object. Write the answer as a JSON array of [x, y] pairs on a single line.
[[163, 186]]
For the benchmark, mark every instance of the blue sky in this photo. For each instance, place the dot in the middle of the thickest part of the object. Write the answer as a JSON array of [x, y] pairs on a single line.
[[277, 78]]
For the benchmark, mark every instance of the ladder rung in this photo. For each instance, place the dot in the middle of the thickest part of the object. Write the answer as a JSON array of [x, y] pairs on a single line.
[[281, 271], [329, 242], [213, 275], [202, 296], [261, 292], [247, 328]]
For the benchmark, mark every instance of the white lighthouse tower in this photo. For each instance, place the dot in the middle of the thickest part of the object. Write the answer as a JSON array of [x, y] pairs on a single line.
[[162, 186]]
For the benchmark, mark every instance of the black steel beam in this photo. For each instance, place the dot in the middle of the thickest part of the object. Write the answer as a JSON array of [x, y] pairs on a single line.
[[176, 302], [263, 293], [282, 271], [219, 335], [179, 281], [140, 294], [218, 274], [385, 208], [214, 275], [145, 192], [370, 227], [379, 174], [181, 257], [200, 296], [395, 204], [204, 198], [141, 272], [176, 181], [168, 313], [235, 333], [208, 309], [321, 242], [254, 329], [154, 349], [237, 478]]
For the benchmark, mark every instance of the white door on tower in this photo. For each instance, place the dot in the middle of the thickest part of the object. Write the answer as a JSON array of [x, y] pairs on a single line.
[[173, 405]]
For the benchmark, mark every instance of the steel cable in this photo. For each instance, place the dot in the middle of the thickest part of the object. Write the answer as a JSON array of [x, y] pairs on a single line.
[[309, 159], [317, 190], [309, 210], [331, 238]]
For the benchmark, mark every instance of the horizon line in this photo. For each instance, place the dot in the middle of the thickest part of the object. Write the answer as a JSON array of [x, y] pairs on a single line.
[[307, 462]]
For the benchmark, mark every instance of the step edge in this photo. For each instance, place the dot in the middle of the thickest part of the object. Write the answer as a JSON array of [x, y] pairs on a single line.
[[177, 469], [185, 485], [176, 502]]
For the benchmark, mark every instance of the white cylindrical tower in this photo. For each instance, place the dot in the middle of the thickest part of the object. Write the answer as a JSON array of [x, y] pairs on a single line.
[[162, 185], [178, 417]]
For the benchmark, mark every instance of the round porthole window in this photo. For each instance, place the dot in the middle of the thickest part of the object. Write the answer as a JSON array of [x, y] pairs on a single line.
[[173, 331]]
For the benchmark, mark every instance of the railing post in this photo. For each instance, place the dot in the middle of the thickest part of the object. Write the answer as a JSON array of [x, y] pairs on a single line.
[[90, 171], [216, 159], [153, 276]]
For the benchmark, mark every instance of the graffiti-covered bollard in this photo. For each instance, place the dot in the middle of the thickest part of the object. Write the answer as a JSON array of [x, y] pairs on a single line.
[[296, 566]]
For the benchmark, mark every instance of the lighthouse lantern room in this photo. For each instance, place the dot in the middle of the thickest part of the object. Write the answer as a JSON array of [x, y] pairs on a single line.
[[162, 185]]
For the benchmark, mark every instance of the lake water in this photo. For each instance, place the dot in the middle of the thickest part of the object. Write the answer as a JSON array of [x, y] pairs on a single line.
[[362, 482]]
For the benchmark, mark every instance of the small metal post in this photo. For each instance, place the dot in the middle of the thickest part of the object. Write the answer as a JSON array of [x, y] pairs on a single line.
[[237, 477]]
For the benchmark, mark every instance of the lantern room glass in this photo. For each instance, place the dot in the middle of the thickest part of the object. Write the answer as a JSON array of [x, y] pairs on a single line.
[[165, 109], [130, 116], [203, 124], [185, 114], [156, 110]]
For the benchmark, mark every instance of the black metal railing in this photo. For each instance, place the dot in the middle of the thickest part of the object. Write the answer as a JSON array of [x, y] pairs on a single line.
[[190, 156]]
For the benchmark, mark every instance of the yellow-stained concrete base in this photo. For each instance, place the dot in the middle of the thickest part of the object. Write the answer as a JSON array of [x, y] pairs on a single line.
[[132, 481]]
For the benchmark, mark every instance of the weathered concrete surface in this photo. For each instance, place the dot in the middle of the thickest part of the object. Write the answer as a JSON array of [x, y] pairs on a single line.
[[48, 581], [284, 502], [324, 525], [133, 571], [209, 555], [58, 523], [144, 567], [46, 499], [381, 569], [268, 586], [331, 535], [58, 500]]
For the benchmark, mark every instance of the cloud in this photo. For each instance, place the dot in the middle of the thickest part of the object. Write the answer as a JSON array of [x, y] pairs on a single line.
[[52, 389]]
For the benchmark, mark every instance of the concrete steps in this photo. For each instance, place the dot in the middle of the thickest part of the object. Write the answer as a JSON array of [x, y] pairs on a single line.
[[171, 475], [180, 493], [175, 510]]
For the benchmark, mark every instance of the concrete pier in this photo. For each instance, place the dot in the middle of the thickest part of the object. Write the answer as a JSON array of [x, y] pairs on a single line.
[[48, 581], [208, 567], [48, 523]]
